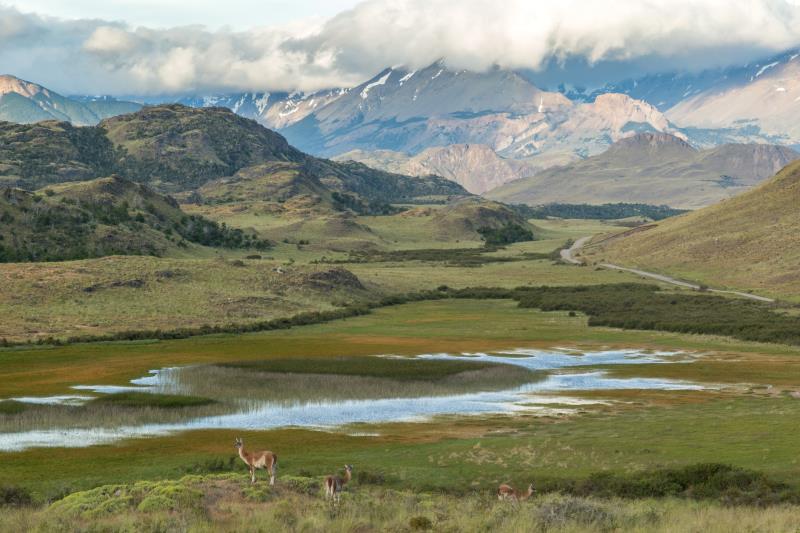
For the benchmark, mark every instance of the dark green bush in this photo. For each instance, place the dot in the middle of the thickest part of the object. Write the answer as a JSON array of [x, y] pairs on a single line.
[[507, 234], [214, 465], [12, 496], [370, 478], [597, 212], [420, 523], [707, 481]]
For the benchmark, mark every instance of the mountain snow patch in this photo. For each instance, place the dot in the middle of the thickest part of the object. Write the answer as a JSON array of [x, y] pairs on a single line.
[[764, 69], [407, 77], [261, 103], [382, 81]]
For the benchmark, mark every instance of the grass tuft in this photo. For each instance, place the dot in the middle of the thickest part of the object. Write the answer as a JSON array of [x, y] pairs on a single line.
[[375, 367], [146, 399]]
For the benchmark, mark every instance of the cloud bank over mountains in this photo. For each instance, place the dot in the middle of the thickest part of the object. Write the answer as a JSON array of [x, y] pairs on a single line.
[[97, 56]]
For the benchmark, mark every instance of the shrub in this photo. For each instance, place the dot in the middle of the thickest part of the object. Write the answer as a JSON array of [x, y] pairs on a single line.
[[559, 513], [710, 481], [285, 512], [303, 485], [507, 234], [14, 496], [420, 523], [145, 496], [215, 465], [370, 478], [258, 493]]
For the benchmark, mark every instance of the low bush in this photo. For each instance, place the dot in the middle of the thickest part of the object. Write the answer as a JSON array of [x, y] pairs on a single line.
[[304, 485], [621, 305], [560, 512], [420, 523], [456, 257], [14, 496], [597, 212], [211, 466], [708, 481], [144, 496], [364, 477], [640, 306], [507, 234]]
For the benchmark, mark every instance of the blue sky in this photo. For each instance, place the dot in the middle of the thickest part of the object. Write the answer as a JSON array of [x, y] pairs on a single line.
[[238, 14]]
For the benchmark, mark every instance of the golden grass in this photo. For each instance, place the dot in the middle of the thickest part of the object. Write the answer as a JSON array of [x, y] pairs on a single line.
[[750, 242], [134, 293], [227, 503]]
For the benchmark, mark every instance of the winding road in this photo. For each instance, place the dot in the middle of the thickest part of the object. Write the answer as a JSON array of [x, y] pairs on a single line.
[[568, 255]]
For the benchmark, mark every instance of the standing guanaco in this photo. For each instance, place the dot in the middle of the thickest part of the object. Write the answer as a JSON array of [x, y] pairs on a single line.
[[258, 460], [507, 492], [335, 484]]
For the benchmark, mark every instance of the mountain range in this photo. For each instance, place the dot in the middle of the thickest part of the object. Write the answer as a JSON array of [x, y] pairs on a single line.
[[485, 129], [273, 110], [409, 111], [669, 89], [476, 167], [654, 168], [25, 102]]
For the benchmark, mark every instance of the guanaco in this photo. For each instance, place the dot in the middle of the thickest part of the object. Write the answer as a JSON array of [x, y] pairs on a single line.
[[335, 484], [507, 492], [258, 460]]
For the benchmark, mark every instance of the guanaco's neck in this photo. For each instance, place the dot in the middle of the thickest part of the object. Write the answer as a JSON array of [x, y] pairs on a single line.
[[242, 454], [347, 476]]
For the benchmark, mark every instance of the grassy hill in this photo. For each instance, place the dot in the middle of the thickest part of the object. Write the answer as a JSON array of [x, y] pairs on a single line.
[[177, 149], [652, 168], [106, 216], [35, 155], [750, 242], [466, 220], [303, 218], [277, 182]]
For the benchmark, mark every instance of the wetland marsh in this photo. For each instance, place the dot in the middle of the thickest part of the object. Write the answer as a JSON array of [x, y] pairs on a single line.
[[330, 393]]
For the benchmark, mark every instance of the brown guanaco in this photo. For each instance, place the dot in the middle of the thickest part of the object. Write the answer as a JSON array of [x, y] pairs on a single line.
[[335, 484], [507, 492], [258, 460]]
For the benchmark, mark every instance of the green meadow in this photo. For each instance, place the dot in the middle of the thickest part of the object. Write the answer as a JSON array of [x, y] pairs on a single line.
[[743, 423], [630, 459]]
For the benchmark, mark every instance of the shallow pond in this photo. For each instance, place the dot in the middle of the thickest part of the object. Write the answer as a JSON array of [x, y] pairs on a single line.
[[555, 371]]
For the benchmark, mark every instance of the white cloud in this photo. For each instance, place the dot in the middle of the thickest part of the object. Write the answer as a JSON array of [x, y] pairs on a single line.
[[108, 39], [100, 56]]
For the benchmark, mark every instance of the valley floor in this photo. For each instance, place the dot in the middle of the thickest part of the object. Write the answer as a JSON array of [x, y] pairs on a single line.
[[436, 473]]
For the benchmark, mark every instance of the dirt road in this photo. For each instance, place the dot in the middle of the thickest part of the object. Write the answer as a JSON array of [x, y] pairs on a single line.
[[568, 255]]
